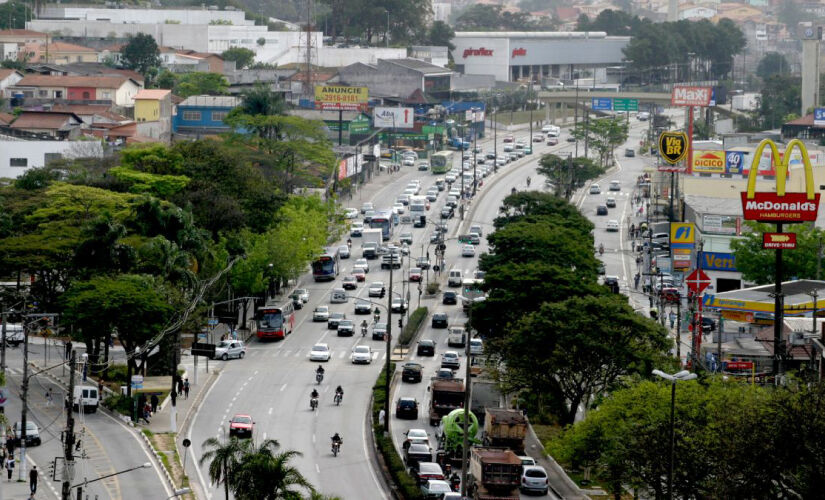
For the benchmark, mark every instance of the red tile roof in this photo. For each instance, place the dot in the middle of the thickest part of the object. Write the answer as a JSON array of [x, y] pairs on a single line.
[[43, 120], [100, 82], [22, 32], [4, 73], [152, 94]]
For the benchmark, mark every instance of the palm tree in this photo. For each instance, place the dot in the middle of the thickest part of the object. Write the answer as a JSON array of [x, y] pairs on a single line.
[[264, 474], [223, 457]]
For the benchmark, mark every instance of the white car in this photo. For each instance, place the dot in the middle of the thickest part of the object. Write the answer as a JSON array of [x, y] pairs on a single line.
[[361, 354], [303, 294], [366, 206], [321, 313], [356, 229], [351, 213], [227, 349], [361, 264], [398, 208], [613, 225], [595, 189], [343, 251], [476, 347], [470, 250], [416, 436], [319, 352], [375, 289]]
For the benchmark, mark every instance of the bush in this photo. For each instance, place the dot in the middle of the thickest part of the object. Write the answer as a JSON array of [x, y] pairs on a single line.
[[395, 465], [433, 287], [117, 373], [411, 328], [120, 403]]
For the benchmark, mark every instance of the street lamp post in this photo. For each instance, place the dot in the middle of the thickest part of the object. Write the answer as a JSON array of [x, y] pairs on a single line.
[[682, 376], [465, 449], [80, 486], [388, 341], [475, 134]]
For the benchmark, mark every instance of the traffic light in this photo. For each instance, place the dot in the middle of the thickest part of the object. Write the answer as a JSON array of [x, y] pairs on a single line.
[[400, 324], [52, 468]]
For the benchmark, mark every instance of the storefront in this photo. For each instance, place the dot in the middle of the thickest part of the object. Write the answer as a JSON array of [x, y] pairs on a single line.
[[514, 56]]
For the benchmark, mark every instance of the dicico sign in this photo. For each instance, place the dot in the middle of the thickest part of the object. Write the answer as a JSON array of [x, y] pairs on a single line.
[[781, 207], [477, 52], [519, 52], [709, 162], [691, 96]]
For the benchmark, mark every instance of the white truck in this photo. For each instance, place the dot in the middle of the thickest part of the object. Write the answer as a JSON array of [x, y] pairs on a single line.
[[371, 239]]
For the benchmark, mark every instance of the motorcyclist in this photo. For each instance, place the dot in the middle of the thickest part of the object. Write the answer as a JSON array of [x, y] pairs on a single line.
[[349, 242], [513, 190], [336, 439], [363, 332], [320, 370], [601, 248], [528, 181], [339, 391], [314, 394]]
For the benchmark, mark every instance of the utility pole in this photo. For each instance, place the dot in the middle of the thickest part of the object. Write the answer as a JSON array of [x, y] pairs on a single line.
[[465, 449], [68, 440], [388, 345], [679, 331], [4, 314], [24, 398]]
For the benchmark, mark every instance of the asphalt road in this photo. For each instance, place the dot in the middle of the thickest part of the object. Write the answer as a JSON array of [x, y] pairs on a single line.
[[273, 383], [106, 445]]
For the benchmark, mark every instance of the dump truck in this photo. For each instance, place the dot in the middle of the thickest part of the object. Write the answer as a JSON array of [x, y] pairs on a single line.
[[505, 428], [445, 396], [495, 474]]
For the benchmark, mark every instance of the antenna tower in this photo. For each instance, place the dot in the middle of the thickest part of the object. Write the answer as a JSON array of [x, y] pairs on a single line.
[[309, 88]]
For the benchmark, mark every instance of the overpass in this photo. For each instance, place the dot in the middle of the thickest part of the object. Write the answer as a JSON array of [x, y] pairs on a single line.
[[558, 101]]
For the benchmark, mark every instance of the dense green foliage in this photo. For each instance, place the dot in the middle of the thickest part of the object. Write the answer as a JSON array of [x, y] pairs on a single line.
[[243, 57], [141, 54], [773, 63], [732, 440], [487, 17], [563, 338], [758, 265], [368, 21], [193, 83], [417, 318], [568, 174]]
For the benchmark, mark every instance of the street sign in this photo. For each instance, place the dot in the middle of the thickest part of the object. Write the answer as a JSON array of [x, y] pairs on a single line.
[[624, 104], [697, 281], [738, 365], [673, 146], [601, 103], [137, 381], [212, 322], [201, 349], [3, 398], [779, 241]]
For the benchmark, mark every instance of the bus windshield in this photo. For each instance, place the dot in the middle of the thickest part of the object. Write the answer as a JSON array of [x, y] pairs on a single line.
[[271, 318], [441, 162], [383, 220], [323, 265]]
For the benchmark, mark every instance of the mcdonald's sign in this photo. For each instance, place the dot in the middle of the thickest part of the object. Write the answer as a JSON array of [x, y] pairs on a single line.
[[781, 207]]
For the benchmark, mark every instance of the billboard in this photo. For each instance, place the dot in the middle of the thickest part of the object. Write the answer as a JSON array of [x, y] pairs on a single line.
[[819, 117], [340, 97], [718, 261], [682, 233], [720, 224], [709, 162], [779, 206], [350, 166], [779, 241], [691, 96], [673, 146], [393, 117]]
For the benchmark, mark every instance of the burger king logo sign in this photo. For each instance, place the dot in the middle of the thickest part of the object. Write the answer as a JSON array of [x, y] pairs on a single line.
[[781, 207]]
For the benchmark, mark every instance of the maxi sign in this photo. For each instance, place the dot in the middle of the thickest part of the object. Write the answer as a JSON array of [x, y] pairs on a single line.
[[781, 207], [691, 96]]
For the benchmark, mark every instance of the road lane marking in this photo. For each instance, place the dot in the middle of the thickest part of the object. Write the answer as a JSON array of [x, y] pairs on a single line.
[[317, 469], [313, 438], [269, 412], [264, 436], [282, 390]]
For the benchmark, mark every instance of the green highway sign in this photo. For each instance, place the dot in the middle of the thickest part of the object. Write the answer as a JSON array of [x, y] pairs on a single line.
[[625, 104]]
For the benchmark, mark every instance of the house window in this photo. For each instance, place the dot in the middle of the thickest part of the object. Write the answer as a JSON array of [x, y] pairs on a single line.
[[107, 94], [87, 95], [43, 93], [219, 116], [192, 116], [18, 162], [58, 94]]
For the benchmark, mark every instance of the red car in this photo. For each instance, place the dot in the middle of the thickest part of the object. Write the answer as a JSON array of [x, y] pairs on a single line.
[[241, 426], [670, 294], [552, 141], [509, 138], [349, 283], [415, 274], [359, 274]]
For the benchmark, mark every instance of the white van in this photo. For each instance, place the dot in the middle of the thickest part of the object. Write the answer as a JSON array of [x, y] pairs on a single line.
[[338, 296], [455, 278], [476, 347], [14, 334], [85, 396], [457, 336]]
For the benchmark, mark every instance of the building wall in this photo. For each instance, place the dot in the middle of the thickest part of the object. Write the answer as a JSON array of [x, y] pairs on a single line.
[[158, 129], [72, 57], [81, 93], [184, 16], [387, 79], [125, 95], [10, 81], [147, 110], [35, 153], [333, 57], [205, 121]]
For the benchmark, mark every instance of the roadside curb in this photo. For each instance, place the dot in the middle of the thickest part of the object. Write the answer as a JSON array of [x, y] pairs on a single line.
[[156, 455], [377, 458]]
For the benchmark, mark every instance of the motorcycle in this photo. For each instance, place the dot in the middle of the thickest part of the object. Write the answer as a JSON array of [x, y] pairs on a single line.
[[336, 447], [601, 249], [338, 398], [319, 377], [313, 403]]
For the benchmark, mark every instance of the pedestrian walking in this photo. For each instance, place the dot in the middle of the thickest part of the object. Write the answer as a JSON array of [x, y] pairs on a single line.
[[49, 399], [672, 318], [145, 411], [10, 444], [33, 479], [180, 387], [9, 466], [154, 401], [186, 388], [636, 281]]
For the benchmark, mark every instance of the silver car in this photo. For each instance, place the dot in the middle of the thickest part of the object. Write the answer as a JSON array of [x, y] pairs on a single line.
[[227, 349]]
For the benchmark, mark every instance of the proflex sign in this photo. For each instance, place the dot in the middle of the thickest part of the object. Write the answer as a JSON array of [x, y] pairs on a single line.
[[781, 207]]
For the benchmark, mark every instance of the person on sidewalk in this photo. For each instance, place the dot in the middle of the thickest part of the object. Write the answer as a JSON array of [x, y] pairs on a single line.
[[49, 398], [154, 401], [33, 479], [672, 318], [144, 413], [186, 388], [9, 466], [180, 387]]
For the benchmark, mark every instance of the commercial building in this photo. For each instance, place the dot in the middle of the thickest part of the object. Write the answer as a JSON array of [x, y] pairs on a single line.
[[515, 56], [397, 77], [203, 114]]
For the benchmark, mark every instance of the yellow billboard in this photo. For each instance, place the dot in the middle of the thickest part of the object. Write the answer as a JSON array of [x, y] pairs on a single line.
[[341, 97], [709, 162]]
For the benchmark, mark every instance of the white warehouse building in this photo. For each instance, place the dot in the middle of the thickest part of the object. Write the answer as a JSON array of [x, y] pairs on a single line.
[[515, 55]]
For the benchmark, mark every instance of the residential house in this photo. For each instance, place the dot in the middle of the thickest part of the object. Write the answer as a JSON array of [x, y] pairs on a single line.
[[19, 154], [22, 37], [120, 91], [153, 113], [183, 60], [58, 125], [8, 78], [203, 114], [696, 12], [59, 53], [93, 114]]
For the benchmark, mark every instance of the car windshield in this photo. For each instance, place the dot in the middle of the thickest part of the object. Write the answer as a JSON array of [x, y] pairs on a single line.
[[344, 322], [224, 343], [322, 309], [242, 420], [320, 348], [336, 315], [362, 349]]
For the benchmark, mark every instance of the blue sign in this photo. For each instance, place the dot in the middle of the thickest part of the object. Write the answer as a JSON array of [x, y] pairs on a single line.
[[819, 117], [718, 261], [601, 103], [734, 162]]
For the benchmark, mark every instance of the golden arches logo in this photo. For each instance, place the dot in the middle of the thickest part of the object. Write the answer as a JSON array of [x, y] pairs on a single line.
[[780, 206]]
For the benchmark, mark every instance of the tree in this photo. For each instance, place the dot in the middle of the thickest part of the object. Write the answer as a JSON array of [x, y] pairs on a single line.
[[603, 135], [260, 100], [166, 80], [440, 34], [578, 348], [13, 15], [485, 17], [141, 54], [773, 63], [568, 174], [780, 96], [243, 57], [201, 83], [614, 22], [758, 265], [224, 458], [263, 473]]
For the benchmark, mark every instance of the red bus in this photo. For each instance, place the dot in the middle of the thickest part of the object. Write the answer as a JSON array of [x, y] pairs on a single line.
[[274, 321]]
